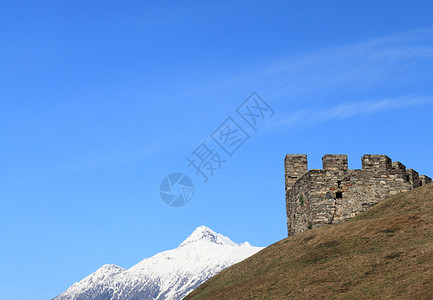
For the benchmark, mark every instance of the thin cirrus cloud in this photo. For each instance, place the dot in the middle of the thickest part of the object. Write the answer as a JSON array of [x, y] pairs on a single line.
[[314, 86], [359, 65], [316, 115], [351, 68], [299, 87], [337, 82]]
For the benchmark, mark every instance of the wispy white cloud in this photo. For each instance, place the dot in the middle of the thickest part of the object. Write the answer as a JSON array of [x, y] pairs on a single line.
[[330, 83], [364, 63], [344, 111], [316, 86], [310, 81], [316, 115]]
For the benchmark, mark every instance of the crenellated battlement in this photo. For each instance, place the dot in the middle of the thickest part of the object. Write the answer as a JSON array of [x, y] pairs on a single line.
[[376, 162], [296, 166], [318, 197], [335, 162]]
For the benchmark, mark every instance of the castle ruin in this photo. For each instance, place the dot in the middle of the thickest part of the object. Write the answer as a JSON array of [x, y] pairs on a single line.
[[318, 197]]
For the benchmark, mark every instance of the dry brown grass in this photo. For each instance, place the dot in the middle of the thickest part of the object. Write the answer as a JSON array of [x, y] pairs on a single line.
[[386, 252]]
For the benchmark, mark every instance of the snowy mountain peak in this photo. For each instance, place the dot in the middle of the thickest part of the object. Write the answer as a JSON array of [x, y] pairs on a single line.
[[109, 268], [168, 275], [204, 234]]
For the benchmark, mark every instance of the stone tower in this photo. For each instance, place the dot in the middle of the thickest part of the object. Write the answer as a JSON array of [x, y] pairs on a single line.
[[318, 197]]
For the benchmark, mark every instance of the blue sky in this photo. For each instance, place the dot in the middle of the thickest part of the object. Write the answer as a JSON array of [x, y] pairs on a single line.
[[99, 101]]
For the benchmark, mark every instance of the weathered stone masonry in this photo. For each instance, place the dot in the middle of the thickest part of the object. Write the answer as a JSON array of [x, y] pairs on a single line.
[[333, 194]]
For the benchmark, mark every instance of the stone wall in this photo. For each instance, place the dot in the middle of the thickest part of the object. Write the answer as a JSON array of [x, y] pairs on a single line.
[[333, 194]]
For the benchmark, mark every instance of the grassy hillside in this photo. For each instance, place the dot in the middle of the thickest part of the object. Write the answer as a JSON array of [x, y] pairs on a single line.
[[386, 252]]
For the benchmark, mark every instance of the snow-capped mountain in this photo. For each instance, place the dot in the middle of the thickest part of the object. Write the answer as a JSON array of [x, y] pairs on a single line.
[[170, 274]]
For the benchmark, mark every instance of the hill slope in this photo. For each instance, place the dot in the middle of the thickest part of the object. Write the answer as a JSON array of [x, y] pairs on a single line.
[[385, 252]]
